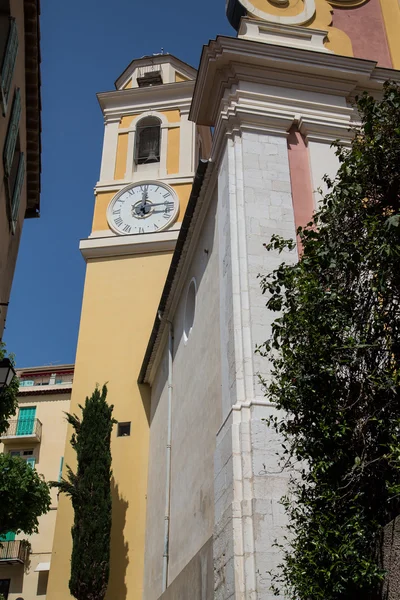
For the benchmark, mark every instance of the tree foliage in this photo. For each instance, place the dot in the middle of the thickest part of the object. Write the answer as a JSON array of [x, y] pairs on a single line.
[[90, 491], [24, 494], [335, 352]]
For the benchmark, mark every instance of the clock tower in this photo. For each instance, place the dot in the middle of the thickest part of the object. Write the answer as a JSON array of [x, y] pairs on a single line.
[[150, 155]]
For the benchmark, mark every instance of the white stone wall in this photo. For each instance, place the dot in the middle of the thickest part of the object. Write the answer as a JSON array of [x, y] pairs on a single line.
[[254, 202], [196, 416]]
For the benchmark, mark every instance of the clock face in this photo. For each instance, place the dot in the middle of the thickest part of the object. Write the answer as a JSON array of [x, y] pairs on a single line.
[[146, 207]]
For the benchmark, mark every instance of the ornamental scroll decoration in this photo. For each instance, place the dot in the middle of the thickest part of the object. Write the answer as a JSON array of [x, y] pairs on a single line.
[[315, 14]]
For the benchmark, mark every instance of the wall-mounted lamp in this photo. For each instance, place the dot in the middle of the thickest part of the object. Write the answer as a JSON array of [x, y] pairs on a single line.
[[7, 373]]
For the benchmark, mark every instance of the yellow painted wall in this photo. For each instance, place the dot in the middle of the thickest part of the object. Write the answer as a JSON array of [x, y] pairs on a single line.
[[128, 85], [50, 410], [127, 121], [179, 78], [102, 200], [120, 301], [172, 116], [173, 150], [122, 154], [391, 17]]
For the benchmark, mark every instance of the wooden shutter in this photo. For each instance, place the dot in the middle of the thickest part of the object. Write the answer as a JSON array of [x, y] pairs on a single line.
[[19, 182], [7, 70], [26, 420], [12, 133], [31, 461]]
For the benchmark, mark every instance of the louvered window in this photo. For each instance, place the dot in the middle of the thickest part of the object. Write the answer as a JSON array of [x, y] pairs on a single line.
[[8, 66], [148, 138], [12, 133], [16, 196]]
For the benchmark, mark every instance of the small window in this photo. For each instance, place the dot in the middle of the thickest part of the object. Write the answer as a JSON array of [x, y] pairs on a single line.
[[124, 429], [5, 587], [148, 138], [190, 309]]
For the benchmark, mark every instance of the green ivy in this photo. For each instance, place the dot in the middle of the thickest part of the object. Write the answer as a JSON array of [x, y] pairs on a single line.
[[335, 350]]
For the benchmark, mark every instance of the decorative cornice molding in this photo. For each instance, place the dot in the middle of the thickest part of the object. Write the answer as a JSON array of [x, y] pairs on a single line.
[[169, 96], [230, 63], [129, 245], [116, 185]]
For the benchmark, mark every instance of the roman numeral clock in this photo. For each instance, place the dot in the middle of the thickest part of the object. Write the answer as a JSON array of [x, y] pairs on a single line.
[[144, 207]]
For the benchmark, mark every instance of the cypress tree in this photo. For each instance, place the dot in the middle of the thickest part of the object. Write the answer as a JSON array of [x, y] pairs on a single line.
[[90, 492]]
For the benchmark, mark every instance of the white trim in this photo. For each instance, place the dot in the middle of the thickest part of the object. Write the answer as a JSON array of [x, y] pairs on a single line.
[[110, 145], [116, 185], [43, 566], [283, 35], [129, 245]]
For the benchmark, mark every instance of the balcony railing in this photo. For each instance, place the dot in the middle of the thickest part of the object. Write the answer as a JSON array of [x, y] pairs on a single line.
[[13, 552], [23, 429]]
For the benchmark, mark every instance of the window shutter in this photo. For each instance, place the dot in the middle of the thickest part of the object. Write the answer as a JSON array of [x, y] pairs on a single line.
[[19, 182], [31, 461], [8, 67], [12, 133]]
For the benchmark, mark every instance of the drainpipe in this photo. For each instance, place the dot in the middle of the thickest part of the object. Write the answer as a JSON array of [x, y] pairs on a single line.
[[168, 461]]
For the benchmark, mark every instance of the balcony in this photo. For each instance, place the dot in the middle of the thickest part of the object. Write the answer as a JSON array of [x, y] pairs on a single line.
[[13, 553], [22, 430]]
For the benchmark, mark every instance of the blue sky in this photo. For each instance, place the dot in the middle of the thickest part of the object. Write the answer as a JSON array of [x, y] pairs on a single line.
[[85, 46]]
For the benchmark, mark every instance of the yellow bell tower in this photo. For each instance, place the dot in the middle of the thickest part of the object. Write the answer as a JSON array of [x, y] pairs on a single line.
[[150, 155]]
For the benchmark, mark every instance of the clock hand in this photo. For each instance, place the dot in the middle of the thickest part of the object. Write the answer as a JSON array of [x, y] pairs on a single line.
[[145, 197]]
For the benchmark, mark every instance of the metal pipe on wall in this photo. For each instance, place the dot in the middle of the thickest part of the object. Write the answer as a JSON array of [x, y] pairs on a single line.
[[168, 460]]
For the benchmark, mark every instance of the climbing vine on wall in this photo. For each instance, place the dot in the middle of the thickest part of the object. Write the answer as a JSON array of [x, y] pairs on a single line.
[[335, 350]]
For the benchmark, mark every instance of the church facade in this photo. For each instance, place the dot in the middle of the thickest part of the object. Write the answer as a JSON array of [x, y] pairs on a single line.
[[172, 309]]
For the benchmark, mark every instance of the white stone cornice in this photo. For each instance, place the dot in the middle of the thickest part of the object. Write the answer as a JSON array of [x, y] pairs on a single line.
[[129, 245], [115, 185], [164, 97], [227, 61]]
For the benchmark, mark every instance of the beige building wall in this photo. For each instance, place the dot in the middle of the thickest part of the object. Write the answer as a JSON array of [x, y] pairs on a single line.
[[26, 15], [51, 402]]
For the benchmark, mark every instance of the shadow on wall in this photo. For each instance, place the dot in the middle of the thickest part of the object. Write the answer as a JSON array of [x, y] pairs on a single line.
[[144, 391], [17, 580], [43, 580], [119, 547]]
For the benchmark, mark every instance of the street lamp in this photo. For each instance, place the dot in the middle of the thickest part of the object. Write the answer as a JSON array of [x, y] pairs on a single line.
[[7, 373]]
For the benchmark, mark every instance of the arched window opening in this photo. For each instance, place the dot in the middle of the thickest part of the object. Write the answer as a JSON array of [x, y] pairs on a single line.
[[148, 138]]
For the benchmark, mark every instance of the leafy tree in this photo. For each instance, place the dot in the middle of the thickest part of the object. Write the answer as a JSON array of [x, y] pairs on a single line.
[[24, 494], [335, 351], [90, 492]]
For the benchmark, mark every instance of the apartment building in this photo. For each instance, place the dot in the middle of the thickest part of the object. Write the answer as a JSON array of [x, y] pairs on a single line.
[[19, 132], [36, 434]]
